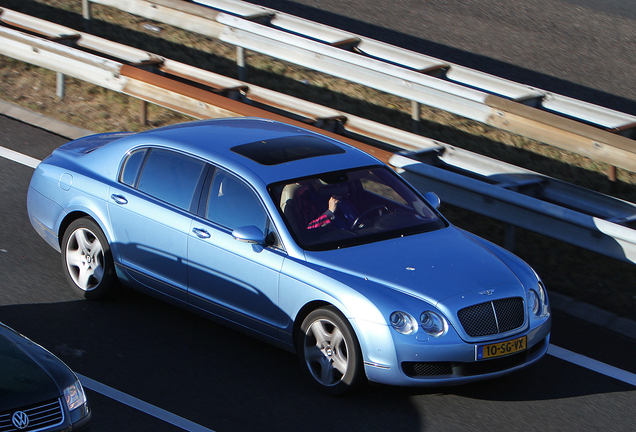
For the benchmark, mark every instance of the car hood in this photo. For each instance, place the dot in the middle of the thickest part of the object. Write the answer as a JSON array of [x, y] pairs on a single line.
[[26, 372], [433, 266]]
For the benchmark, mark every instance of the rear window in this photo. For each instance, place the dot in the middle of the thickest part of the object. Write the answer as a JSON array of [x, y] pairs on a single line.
[[91, 143]]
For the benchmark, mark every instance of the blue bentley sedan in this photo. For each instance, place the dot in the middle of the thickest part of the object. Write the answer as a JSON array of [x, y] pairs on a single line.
[[297, 239]]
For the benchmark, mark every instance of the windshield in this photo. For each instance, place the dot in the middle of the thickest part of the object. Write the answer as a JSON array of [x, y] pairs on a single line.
[[346, 208]]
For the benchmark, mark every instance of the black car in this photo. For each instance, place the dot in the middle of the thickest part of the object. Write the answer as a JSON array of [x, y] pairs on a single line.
[[37, 391]]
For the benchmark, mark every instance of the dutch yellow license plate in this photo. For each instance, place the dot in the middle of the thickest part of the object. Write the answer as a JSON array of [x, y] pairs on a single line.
[[502, 348]]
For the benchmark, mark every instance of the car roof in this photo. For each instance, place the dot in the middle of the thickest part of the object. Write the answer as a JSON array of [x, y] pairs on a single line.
[[269, 150]]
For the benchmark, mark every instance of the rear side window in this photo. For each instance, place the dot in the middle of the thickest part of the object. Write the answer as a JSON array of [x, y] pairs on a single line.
[[130, 170], [169, 176]]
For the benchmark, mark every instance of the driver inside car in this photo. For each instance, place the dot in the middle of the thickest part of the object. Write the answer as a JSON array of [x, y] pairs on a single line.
[[308, 203], [329, 216]]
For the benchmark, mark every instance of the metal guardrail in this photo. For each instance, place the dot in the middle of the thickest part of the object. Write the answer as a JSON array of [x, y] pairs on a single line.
[[525, 199], [599, 133], [501, 191], [189, 99]]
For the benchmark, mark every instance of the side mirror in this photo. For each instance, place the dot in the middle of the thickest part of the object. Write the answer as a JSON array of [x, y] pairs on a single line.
[[249, 234], [433, 199]]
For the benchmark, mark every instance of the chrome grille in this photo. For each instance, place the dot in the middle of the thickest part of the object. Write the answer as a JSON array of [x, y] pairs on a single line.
[[493, 317], [41, 416]]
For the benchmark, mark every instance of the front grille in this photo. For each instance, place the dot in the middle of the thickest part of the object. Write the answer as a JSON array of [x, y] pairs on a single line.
[[418, 369], [493, 317], [41, 416]]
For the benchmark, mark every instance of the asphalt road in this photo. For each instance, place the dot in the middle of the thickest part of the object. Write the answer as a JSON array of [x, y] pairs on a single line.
[[584, 49], [192, 368]]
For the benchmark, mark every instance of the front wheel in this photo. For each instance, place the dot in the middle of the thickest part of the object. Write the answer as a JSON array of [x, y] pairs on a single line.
[[87, 261], [329, 352]]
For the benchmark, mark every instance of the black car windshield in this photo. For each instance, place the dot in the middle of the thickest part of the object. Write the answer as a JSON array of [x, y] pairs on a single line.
[[346, 208]]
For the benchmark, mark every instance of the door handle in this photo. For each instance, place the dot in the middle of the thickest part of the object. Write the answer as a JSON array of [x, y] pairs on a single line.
[[119, 199], [201, 233]]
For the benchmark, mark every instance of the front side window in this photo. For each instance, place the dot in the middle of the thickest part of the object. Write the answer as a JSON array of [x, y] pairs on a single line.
[[232, 204], [166, 175], [346, 208]]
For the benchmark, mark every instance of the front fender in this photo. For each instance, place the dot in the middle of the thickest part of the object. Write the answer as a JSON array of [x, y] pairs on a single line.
[[357, 299]]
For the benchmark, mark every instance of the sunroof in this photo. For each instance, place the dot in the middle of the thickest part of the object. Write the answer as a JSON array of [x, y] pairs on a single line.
[[280, 150]]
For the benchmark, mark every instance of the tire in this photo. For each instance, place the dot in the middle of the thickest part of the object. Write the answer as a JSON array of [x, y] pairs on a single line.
[[329, 352], [87, 260]]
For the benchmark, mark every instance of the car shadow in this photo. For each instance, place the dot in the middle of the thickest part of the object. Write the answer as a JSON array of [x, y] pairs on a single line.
[[223, 379], [193, 367]]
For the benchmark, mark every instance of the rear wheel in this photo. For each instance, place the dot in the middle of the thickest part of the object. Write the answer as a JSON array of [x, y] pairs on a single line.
[[87, 261], [329, 352]]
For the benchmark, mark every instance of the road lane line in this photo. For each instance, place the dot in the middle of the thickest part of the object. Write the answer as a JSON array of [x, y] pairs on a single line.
[[19, 157], [593, 365], [142, 406]]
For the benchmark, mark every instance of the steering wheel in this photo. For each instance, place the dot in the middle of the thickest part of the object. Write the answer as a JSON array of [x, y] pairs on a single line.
[[366, 213]]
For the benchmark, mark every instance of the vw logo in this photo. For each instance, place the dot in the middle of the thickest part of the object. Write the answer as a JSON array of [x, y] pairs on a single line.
[[20, 419]]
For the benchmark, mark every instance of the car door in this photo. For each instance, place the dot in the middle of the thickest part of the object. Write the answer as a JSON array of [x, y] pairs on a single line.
[[227, 277], [150, 212]]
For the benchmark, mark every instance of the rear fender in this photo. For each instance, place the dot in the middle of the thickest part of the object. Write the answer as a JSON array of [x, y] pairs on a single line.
[[81, 206]]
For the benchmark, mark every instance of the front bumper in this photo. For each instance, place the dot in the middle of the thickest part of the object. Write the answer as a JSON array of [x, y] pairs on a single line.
[[452, 361]]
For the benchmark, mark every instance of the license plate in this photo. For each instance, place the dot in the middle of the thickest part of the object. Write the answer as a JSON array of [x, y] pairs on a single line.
[[502, 348]]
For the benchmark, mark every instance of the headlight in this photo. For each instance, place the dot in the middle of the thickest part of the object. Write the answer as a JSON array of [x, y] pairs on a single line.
[[537, 299], [403, 323], [74, 396], [543, 295], [534, 302], [433, 323]]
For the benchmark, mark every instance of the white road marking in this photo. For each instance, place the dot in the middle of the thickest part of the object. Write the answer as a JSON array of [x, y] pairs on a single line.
[[591, 364], [19, 157], [142, 406]]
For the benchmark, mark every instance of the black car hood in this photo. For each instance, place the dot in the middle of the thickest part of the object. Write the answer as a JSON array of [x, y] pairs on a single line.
[[29, 374]]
